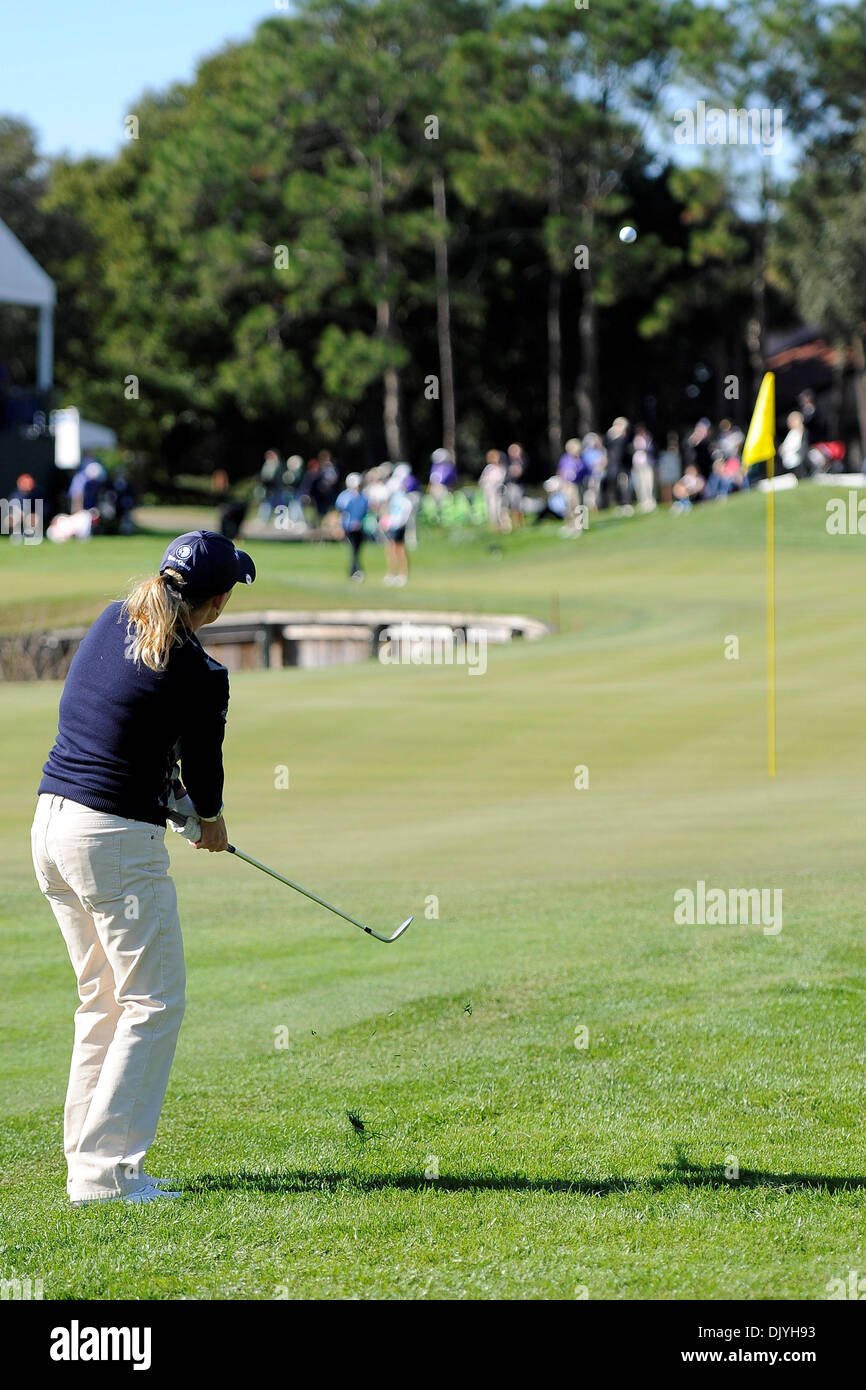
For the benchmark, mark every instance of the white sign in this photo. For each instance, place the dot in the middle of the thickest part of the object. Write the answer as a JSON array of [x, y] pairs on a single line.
[[66, 428]]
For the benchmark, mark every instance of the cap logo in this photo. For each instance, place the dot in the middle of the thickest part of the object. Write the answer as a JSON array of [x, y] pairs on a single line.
[[183, 551]]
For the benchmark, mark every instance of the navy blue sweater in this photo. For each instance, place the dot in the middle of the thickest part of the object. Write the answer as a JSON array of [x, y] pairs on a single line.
[[122, 726]]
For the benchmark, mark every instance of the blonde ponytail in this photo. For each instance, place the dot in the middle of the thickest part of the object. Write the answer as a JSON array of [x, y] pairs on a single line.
[[159, 617]]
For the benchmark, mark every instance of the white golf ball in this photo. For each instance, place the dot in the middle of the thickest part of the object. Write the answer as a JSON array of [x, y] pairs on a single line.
[[627, 234]]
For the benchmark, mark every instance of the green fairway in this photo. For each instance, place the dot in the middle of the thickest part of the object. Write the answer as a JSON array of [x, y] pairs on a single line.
[[563, 1170]]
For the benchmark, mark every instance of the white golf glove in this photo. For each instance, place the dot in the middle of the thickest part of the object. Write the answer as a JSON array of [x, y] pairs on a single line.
[[180, 804]]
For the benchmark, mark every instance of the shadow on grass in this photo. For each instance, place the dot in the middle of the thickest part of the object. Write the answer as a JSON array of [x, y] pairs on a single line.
[[674, 1175]]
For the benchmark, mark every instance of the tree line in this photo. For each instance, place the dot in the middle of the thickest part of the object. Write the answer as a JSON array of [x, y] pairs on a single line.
[[388, 225]]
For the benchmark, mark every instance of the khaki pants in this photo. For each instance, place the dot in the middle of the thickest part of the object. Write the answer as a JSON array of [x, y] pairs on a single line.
[[107, 881], [644, 480]]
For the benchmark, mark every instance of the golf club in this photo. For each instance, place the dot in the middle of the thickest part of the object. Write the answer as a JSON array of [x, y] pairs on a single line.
[[232, 849]]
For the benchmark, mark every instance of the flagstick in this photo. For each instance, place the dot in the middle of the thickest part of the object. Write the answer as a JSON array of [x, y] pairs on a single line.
[[771, 617]]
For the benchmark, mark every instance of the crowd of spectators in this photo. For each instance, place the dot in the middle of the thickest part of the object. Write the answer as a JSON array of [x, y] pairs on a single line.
[[93, 500], [625, 469]]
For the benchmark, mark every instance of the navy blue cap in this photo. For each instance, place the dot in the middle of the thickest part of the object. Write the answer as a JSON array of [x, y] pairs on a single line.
[[210, 564]]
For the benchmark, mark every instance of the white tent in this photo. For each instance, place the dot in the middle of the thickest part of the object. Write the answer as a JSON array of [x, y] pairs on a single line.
[[22, 281], [96, 436]]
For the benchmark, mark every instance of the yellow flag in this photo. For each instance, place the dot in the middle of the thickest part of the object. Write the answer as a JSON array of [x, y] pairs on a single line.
[[761, 439]]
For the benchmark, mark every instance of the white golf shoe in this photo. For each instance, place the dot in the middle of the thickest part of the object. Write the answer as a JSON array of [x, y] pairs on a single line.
[[145, 1194], [151, 1194]]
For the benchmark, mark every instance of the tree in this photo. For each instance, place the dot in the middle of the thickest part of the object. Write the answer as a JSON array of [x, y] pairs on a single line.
[[281, 254], [816, 70], [824, 251]]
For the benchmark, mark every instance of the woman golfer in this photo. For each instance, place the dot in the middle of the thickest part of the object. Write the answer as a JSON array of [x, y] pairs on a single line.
[[141, 695]]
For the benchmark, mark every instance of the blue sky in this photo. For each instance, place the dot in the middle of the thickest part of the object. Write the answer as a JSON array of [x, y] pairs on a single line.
[[73, 68]]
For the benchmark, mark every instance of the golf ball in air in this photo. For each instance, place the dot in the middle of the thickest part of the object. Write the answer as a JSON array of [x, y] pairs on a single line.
[[627, 234]]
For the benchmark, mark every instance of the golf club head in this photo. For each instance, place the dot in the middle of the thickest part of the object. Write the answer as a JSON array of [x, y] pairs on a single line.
[[399, 932]]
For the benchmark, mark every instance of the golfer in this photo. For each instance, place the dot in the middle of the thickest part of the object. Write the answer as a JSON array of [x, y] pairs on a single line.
[[352, 506], [141, 695]]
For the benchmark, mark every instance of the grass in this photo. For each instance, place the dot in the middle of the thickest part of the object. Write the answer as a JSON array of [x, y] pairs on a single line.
[[711, 1050]]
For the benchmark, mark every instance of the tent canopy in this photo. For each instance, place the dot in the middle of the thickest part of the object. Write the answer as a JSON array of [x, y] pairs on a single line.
[[22, 281]]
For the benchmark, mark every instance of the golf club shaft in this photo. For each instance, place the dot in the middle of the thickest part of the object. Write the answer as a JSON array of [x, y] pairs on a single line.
[[180, 819], [232, 849]]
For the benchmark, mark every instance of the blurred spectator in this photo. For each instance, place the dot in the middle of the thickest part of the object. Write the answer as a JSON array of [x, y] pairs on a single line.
[[571, 471], [643, 470], [315, 492], [730, 439], [814, 422], [443, 473], [28, 512], [378, 488], [492, 484], [734, 470], [270, 484], [513, 498], [294, 471], [793, 448], [517, 468], [405, 478], [827, 457], [722, 480], [555, 501], [85, 486], [123, 498], [66, 527], [697, 448], [27, 491], [594, 468], [616, 482], [643, 480], [353, 510], [518, 456], [688, 489], [75, 491], [115, 505], [397, 513], [329, 476], [292, 478], [670, 467], [643, 439], [416, 496]]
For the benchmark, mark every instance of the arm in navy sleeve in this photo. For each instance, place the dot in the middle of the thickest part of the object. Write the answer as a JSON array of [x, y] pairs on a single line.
[[201, 758]]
